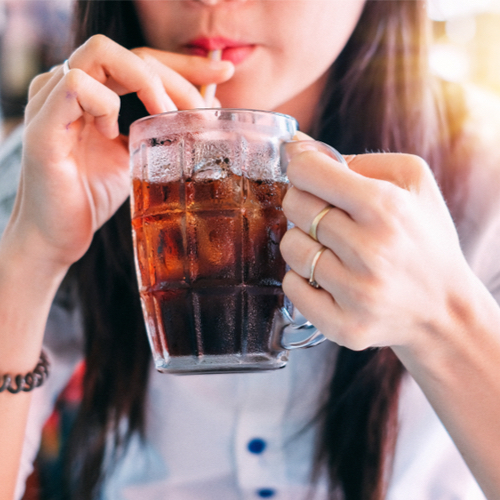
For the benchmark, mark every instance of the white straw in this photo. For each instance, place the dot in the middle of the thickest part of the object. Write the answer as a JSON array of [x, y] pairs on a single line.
[[208, 91]]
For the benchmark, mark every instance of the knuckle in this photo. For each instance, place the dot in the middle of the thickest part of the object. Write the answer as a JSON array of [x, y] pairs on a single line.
[[358, 335], [391, 198], [416, 170], [367, 296], [73, 79], [359, 344], [388, 206], [383, 196], [417, 163], [353, 336], [98, 43], [377, 262]]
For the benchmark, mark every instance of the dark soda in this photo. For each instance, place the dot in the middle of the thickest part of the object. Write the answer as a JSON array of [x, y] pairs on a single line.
[[209, 264]]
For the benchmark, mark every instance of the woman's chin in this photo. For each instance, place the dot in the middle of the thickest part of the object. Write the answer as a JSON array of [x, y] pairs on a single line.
[[245, 98]]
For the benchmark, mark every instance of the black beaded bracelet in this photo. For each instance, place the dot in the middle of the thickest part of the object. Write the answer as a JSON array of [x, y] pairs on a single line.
[[29, 381]]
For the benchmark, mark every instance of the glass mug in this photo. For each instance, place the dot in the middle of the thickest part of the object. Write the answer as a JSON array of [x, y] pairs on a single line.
[[207, 189]]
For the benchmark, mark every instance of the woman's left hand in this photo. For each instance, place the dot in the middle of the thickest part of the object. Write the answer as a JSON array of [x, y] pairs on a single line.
[[392, 264]]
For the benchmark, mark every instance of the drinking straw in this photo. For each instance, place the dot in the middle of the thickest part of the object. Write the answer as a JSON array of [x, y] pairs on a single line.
[[208, 91]]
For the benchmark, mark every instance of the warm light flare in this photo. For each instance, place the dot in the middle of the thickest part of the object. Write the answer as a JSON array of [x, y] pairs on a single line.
[[450, 62]]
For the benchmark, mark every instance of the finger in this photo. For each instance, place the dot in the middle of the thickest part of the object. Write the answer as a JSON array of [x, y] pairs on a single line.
[[409, 173], [403, 170], [122, 71], [322, 310], [40, 88], [198, 70], [301, 208], [317, 305], [367, 200], [41, 81], [78, 93], [327, 179], [301, 136], [299, 252], [182, 92], [336, 229]]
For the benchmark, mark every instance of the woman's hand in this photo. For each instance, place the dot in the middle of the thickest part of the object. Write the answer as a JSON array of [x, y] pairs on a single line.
[[75, 164], [393, 274], [392, 267]]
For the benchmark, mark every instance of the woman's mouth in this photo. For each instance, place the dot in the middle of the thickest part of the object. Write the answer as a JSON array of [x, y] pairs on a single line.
[[232, 50]]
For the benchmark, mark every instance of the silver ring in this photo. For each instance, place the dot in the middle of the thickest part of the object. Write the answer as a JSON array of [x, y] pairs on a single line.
[[65, 67], [312, 281]]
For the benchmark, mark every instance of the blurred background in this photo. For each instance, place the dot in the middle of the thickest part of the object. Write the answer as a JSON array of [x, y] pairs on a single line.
[[36, 34]]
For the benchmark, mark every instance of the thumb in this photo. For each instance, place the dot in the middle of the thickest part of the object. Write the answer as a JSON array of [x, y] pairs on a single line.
[[300, 136]]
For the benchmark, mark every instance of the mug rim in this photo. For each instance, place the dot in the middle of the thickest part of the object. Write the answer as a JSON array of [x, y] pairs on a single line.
[[203, 110]]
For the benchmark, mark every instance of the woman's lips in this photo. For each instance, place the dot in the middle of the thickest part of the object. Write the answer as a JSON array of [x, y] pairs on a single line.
[[232, 50]]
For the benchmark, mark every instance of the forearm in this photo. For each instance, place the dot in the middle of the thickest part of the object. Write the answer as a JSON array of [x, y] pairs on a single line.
[[458, 368], [27, 287]]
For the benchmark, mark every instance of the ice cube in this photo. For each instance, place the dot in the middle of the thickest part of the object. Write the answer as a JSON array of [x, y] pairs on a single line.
[[165, 159]]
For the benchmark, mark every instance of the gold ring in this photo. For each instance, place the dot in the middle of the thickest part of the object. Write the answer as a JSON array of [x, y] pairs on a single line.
[[314, 226], [65, 67], [312, 281]]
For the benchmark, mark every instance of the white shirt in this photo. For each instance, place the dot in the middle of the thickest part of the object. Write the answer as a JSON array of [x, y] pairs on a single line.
[[246, 436]]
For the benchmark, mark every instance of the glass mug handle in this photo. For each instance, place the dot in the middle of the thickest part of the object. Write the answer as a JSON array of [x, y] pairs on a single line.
[[292, 326]]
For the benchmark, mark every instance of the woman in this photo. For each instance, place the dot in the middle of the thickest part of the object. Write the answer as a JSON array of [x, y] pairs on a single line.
[[393, 273]]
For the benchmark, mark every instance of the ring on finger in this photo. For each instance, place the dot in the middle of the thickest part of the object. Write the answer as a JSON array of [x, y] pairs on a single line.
[[313, 231], [316, 257], [65, 67]]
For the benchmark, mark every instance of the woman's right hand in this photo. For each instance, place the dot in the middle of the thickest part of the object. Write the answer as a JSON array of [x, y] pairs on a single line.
[[74, 176], [75, 165]]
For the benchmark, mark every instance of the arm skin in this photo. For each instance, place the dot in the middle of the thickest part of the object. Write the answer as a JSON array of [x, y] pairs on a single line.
[[74, 178], [27, 287], [394, 275], [457, 365]]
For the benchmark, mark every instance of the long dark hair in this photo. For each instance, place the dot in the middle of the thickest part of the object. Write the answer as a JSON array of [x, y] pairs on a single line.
[[379, 97]]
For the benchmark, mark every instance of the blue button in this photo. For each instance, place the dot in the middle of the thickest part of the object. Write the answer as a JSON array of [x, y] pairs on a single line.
[[257, 446], [266, 493]]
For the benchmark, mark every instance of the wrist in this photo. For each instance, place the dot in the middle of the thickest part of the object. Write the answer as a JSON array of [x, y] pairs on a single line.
[[28, 284], [26, 383], [466, 326], [456, 366], [27, 250]]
